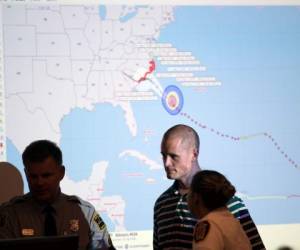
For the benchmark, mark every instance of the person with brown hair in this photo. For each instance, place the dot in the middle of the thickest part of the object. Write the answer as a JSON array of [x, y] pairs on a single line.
[[217, 229]]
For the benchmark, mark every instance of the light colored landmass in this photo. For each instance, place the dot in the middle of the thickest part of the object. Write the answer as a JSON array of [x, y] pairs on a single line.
[[92, 189], [143, 158], [59, 58], [68, 57]]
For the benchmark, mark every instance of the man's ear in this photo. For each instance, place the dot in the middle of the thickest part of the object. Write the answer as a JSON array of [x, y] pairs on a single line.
[[195, 154]]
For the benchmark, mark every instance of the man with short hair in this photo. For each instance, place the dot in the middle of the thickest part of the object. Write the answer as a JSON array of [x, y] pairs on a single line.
[[173, 222], [45, 210]]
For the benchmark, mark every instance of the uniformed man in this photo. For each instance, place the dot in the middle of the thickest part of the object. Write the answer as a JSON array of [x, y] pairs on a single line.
[[45, 210]]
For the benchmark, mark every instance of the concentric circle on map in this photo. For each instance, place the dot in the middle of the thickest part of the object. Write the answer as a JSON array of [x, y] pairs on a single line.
[[172, 99]]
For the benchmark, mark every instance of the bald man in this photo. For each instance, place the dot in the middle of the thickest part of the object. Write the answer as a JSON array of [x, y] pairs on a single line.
[[173, 222]]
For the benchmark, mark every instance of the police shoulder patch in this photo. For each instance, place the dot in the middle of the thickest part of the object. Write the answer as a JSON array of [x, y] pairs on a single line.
[[201, 230], [99, 222]]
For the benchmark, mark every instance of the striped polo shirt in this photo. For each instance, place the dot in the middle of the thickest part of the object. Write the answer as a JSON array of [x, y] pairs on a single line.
[[174, 224]]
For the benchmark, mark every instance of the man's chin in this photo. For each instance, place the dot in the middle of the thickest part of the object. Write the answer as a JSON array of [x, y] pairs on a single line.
[[44, 198], [171, 176]]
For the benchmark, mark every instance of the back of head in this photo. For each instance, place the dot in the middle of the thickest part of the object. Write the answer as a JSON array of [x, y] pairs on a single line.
[[188, 135], [11, 182], [213, 188], [40, 150]]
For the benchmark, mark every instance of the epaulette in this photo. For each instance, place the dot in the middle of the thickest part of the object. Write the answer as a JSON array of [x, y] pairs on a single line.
[[201, 230], [76, 199], [15, 200]]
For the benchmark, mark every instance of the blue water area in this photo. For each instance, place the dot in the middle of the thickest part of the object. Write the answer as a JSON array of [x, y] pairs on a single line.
[[89, 137], [102, 12], [101, 135], [128, 16], [255, 54], [227, 36], [131, 15]]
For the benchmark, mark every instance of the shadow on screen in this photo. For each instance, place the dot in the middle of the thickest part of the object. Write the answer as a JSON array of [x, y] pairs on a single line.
[[69, 242]]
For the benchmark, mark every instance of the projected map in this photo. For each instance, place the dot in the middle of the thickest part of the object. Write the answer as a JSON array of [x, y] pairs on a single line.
[[105, 82]]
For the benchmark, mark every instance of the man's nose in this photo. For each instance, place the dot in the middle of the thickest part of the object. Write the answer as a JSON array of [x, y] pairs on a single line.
[[40, 181], [167, 161]]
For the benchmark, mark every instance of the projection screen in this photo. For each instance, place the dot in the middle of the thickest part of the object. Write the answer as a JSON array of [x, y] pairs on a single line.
[[106, 79]]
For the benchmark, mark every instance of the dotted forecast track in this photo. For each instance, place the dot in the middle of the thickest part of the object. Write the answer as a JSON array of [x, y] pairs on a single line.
[[239, 138]]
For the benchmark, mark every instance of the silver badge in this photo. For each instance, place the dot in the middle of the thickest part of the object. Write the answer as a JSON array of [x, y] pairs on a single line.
[[74, 225]]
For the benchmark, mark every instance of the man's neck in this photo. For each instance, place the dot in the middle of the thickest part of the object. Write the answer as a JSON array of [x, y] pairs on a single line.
[[182, 189], [184, 184]]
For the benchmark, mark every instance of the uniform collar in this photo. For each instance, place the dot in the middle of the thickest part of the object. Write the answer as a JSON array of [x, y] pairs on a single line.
[[41, 206], [218, 211]]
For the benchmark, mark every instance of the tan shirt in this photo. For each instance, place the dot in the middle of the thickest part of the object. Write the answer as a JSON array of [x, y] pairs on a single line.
[[219, 230], [24, 217]]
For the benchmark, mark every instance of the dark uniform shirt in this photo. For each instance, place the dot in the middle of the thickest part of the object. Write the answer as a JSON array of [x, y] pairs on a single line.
[[24, 217]]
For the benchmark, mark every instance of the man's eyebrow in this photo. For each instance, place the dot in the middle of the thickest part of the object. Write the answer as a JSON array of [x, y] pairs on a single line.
[[169, 153]]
